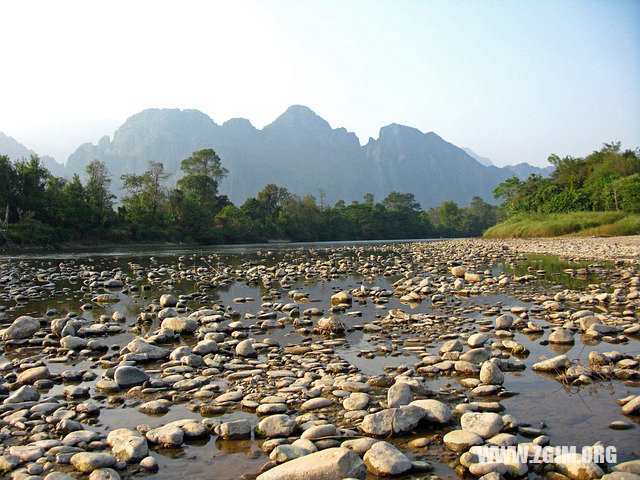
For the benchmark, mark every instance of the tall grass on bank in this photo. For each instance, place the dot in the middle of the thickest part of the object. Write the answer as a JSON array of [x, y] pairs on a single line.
[[572, 223]]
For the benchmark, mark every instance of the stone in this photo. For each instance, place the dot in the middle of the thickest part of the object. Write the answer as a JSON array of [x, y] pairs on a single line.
[[340, 298], [556, 363], [632, 407], [329, 464], [180, 324], [32, 375], [504, 322], [320, 431], [384, 459], [315, 403], [21, 328], [90, 461], [561, 336], [477, 340], [356, 401], [152, 352], [491, 374], [245, 349], [277, 426], [461, 441], [155, 407], [127, 445], [26, 393], [484, 424], [104, 474], [435, 410], [579, 470], [168, 435], [235, 430], [149, 463], [128, 376], [399, 394], [168, 300], [26, 453]]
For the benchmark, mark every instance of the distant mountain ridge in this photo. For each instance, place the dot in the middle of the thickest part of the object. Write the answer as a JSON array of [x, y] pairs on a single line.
[[302, 152], [15, 151]]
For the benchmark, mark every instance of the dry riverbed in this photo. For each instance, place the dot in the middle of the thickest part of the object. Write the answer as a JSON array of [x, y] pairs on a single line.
[[334, 361]]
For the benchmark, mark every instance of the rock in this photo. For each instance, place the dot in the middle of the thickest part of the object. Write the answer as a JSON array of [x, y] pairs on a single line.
[[356, 401], [435, 411], [504, 322], [556, 363], [392, 421], [359, 445], [632, 407], [632, 466], [180, 324], [168, 435], [26, 453], [580, 470], [458, 271], [399, 394], [155, 407], [340, 298], [129, 376], [128, 445], [32, 375], [320, 431], [477, 340], [621, 476], [384, 459], [168, 300], [104, 474], [315, 403], [74, 438], [22, 327], [152, 352], [277, 426], [89, 461], [245, 349], [72, 342], [8, 462], [329, 464], [26, 393], [485, 424], [490, 374], [150, 463], [561, 336], [58, 476], [286, 453], [235, 430], [461, 441]]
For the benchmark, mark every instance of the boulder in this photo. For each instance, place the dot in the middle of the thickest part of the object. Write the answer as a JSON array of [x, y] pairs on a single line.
[[329, 464]]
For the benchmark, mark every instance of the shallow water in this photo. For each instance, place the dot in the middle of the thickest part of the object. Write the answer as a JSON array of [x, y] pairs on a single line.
[[573, 416]]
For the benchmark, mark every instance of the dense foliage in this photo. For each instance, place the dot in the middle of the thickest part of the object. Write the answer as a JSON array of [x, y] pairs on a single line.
[[606, 180], [39, 208]]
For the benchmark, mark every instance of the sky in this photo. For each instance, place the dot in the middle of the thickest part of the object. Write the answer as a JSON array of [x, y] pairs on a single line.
[[512, 80]]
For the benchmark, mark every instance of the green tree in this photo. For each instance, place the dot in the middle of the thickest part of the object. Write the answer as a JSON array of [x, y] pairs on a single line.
[[98, 194], [401, 202]]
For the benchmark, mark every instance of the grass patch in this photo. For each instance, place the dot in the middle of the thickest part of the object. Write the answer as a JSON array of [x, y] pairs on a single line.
[[574, 224]]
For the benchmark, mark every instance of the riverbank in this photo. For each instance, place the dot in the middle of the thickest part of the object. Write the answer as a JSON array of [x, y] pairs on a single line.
[[612, 249], [579, 224]]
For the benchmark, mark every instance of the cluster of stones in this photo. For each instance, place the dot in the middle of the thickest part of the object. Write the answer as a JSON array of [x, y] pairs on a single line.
[[315, 415]]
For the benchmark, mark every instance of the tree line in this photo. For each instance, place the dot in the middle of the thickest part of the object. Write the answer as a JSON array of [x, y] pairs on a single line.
[[41, 209], [606, 180]]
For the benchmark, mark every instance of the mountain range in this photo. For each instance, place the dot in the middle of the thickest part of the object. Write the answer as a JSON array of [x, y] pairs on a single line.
[[299, 151]]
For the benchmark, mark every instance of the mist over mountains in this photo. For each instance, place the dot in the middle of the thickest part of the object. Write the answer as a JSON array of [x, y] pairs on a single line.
[[299, 151]]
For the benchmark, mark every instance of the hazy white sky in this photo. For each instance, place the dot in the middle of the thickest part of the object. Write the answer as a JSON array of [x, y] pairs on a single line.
[[513, 80]]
